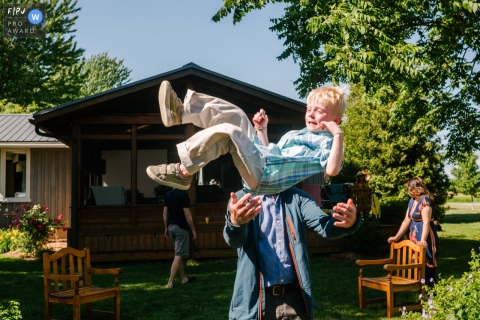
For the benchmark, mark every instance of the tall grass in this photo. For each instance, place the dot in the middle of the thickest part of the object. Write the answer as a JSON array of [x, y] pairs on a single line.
[[144, 297]]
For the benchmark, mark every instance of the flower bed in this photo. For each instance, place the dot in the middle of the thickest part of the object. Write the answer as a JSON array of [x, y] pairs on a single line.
[[30, 230]]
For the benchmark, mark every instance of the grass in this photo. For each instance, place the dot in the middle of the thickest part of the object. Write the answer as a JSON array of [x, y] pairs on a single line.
[[144, 297], [464, 198]]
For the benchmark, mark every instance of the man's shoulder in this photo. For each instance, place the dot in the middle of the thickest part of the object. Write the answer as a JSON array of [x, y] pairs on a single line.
[[295, 190]]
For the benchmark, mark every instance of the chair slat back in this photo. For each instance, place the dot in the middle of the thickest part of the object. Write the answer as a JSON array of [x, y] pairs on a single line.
[[407, 253], [65, 262]]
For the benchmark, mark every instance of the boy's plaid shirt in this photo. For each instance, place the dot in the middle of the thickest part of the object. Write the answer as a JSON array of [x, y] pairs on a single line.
[[298, 155]]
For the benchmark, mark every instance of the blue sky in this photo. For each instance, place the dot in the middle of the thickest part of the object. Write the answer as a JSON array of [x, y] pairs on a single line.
[[158, 36]]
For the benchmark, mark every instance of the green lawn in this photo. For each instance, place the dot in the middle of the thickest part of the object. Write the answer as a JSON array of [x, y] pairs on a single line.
[[464, 198], [143, 295]]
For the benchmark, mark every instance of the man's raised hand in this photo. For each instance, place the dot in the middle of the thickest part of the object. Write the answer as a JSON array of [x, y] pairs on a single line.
[[346, 213], [245, 209]]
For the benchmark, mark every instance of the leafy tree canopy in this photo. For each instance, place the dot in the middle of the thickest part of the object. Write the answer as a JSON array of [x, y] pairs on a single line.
[[10, 107], [37, 73], [427, 52], [43, 70], [102, 73], [390, 152], [467, 176]]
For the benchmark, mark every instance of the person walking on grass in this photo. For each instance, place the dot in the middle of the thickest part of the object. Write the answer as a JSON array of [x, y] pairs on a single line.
[[178, 221], [265, 168]]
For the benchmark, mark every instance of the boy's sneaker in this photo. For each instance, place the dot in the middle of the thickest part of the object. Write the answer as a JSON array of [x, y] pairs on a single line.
[[170, 105], [168, 175]]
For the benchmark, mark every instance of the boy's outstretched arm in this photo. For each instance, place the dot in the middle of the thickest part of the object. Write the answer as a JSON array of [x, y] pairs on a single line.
[[260, 122], [335, 159]]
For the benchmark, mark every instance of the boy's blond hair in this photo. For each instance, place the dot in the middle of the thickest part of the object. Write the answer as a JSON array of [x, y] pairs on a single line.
[[335, 96]]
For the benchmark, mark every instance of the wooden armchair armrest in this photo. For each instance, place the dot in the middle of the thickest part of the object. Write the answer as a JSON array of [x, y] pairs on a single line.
[[362, 263], [73, 277], [114, 271], [393, 267]]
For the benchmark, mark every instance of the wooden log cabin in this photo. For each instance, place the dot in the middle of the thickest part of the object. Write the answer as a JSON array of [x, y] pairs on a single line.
[[116, 134], [33, 170]]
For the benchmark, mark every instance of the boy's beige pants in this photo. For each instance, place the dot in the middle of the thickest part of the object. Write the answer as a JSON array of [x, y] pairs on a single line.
[[227, 129]]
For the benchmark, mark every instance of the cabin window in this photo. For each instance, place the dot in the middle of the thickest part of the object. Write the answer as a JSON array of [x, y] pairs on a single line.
[[106, 172], [16, 175]]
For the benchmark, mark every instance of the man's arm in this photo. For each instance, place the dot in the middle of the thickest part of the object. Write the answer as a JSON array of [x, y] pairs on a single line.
[[344, 221], [188, 216]]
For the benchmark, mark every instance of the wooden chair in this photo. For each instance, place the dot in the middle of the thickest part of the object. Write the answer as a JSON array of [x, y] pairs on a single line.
[[67, 278], [362, 197], [406, 269]]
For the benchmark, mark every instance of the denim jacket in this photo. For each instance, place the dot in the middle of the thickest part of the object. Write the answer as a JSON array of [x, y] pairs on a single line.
[[300, 212]]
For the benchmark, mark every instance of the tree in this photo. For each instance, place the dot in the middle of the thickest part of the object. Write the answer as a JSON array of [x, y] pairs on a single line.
[[44, 71], [392, 152], [39, 73], [467, 176], [426, 51], [103, 73], [10, 107]]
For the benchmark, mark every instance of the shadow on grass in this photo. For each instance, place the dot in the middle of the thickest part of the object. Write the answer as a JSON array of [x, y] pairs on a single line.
[[143, 295], [335, 290], [206, 298], [454, 256]]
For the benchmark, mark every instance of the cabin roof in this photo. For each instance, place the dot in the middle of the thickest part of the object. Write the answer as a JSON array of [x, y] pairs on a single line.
[[141, 97], [15, 128]]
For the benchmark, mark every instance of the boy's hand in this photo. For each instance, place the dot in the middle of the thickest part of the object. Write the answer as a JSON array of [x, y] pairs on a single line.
[[260, 119], [331, 126]]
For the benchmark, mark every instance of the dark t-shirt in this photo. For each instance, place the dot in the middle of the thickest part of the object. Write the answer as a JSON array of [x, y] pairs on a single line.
[[175, 201]]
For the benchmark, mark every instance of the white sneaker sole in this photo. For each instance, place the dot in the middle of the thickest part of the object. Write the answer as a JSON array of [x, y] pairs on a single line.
[[163, 93]]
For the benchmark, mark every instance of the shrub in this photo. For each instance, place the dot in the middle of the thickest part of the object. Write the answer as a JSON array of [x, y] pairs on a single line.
[[10, 239], [369, 239], [393, 210], [10, 311], [36, 226], [453, 298]]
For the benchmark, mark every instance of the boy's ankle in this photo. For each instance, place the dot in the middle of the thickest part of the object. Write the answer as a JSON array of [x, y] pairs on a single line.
[[180, 112], [183, 171]]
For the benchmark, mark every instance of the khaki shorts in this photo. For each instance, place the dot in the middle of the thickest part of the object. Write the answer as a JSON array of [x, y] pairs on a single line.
[[180, 239]]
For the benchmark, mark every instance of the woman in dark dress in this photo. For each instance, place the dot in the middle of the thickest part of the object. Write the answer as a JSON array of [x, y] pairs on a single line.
[[423, 232]]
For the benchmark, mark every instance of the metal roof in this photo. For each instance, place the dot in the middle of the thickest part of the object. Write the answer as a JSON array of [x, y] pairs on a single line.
[[15, 128]]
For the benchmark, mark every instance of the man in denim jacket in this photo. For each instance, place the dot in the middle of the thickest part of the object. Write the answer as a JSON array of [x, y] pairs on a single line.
[[269, 232]]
